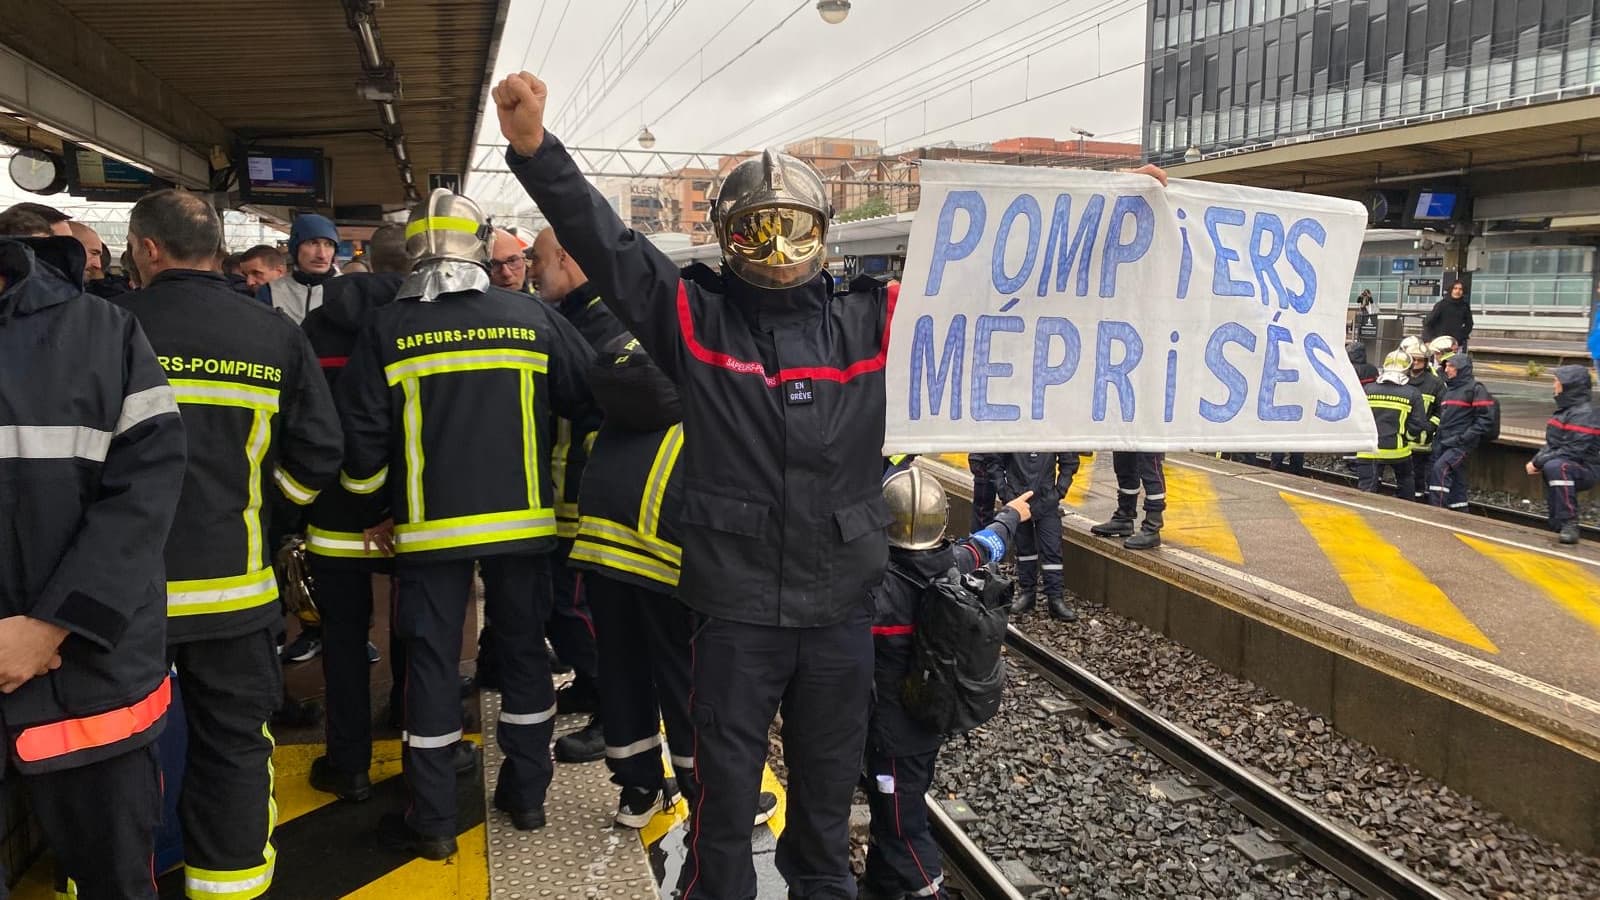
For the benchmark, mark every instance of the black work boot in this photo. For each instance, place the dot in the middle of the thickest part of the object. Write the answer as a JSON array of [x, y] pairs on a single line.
[[587, 744], [354, 787], [1023, 602], [1060, 610], [1146, 539], [1569, 533], [395, 832], [1119, 526]]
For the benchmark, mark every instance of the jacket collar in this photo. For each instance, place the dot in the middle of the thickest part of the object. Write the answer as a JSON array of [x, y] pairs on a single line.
[[31, 283], [188, 275], [577, 300]]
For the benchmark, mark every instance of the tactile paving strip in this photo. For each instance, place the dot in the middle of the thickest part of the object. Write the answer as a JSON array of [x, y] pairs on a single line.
[[580, 854]]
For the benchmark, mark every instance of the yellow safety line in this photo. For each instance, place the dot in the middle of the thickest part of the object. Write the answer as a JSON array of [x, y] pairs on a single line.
[[1078, 494], [769, 782], [1566, 583], [1195, 518], [959, 460], [296, 797], [464, 876], [1379, 576]]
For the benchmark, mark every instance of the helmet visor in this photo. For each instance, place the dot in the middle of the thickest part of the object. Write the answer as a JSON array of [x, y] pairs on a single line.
[[775, 236]]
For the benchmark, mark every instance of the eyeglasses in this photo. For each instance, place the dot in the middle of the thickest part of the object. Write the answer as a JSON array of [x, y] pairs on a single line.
[[509, 263]]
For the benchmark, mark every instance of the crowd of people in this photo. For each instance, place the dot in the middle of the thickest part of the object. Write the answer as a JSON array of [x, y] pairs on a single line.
[[672, 478]]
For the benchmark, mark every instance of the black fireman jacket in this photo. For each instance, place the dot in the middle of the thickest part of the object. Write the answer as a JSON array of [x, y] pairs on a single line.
[[450, 405], [259, 418], [896, 602], [1573, 433], [783, 401], [632, 499], [1432, 388], [1048, 475], [335, 522], [1466, 411], [91, 463], [1366, 372], [581, 307], [1400, 414]]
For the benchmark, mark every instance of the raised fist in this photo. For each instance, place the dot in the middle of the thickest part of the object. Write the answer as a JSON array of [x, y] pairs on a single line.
[[519, 100]]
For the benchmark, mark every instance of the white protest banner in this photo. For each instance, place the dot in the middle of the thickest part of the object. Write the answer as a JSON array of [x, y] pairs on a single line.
[[1052, 309]]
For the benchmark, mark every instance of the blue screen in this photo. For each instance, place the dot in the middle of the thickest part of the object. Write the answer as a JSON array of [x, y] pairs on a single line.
[[283, 173], [1435, 205]]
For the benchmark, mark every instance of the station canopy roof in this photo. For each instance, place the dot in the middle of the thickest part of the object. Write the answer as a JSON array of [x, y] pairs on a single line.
[[192, 79]]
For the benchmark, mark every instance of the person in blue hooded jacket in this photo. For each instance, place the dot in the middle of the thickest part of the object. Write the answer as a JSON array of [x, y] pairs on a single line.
[[1570, 458], [313, 240]]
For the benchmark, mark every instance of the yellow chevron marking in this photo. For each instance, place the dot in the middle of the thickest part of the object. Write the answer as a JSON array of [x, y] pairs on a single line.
[[1378, 575], [1078, 494], [464, 876], [1195, 518], [1568, 583]]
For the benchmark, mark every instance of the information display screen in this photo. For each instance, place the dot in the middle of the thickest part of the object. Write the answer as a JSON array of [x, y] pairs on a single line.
[[1435, 206], [291, 175]]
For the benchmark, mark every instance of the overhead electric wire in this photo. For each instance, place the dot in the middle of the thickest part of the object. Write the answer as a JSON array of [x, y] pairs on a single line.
[[594, 61], [554, 34], [627, 67], [535, 30]]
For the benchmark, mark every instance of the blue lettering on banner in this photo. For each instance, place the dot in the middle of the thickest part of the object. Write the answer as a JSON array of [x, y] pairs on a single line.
[[1117, 252], [1226, 372], [1272, 375], [1305, 298], [1023, 205], [983, 370], [1327, 412], [1080, 249], [944, 250], [948, 370], [1224, 284], [1046, 373], [1172, 381], [1108, 374], [1267, 225]]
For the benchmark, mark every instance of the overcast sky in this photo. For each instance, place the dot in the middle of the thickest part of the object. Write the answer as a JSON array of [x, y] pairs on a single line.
[[903, 72]]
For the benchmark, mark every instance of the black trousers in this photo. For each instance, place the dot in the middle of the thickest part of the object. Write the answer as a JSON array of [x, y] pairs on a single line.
[[570, 628], [821, 680], [1369, 475], [1039, 549], [100, 823], [431, 610], [344, 598], [1564, 479], [903, 859], [1297, 462], [230, 686], [983, 497], [643, 637], [1421, 470], [1136, 470], [1447, 482]]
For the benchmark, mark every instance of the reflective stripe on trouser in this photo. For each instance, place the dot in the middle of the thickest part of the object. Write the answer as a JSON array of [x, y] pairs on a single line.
[[741, 673], [903, 858], [121, 796], [643, 637], [1564, 479], [1039, 548], [430, 611], [1447, 486], [1136, 470], [1369, 475], [230, 688]]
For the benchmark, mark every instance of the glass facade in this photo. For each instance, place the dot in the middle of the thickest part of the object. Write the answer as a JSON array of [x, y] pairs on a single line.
[[1523, 281], [1237, 73]]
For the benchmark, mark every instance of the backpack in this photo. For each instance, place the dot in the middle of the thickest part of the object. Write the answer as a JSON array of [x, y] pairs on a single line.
[[957, 676], [1494, 417]]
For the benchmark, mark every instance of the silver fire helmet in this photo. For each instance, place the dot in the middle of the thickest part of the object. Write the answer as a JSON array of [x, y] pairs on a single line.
[[917, 509], [771, 216], [448, 246]]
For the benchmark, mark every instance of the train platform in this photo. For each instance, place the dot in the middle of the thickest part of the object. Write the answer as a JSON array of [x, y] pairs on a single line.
[[1461, 645]]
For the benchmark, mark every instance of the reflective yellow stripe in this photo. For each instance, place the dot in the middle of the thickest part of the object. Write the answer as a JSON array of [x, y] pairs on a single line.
[[605, 529], [224, 393], [470, 531], [623, 561], [364, 485], [530, 442], [466, 361], [1399, 406], [558, 460], [203, 596], [411, 418], [298, 493], [1401, 452], [442, 223], [347, 544], [655, 486], [255, 449], [567, 520]]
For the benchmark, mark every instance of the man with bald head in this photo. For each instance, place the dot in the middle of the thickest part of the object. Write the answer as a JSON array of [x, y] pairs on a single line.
[[94, 269], [508, 268]]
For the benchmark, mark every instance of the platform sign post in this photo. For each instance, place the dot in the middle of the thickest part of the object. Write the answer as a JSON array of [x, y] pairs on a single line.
[[1045, 309]]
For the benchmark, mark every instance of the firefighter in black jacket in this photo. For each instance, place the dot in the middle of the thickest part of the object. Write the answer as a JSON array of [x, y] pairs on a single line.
[[259, 418], [1466, 416], [903, 859], [783, 396], [1400, 415], [1422, 377], [91, 463], [1048, 477], [448, 403], [1135, 470], [1570, 458]]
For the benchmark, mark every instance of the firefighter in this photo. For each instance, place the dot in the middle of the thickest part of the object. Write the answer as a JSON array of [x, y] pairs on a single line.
[[1048, 477], [1466, 417], [1401, 416], [92, 459], [983, 487], [1366, 372], [1135, 470], [1570, 458], [462, 379], [259, 418], [783, 394], [1422, 377], [903, 858]]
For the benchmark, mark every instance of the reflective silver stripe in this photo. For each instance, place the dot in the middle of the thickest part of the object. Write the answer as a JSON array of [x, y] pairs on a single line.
[[538, 718], [224, 394], [141, 406], [682, 762], [1458, 506], [244, 587], [930, 890], [1439, 490], [53, 442], [635, 748], [1051, 567], [1160, 496], [1123, 490], [327, 543], [439, 742], [292, 489], [407, 534], [364, 485], [1028, 558], [248, 886], [1562, 483]]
